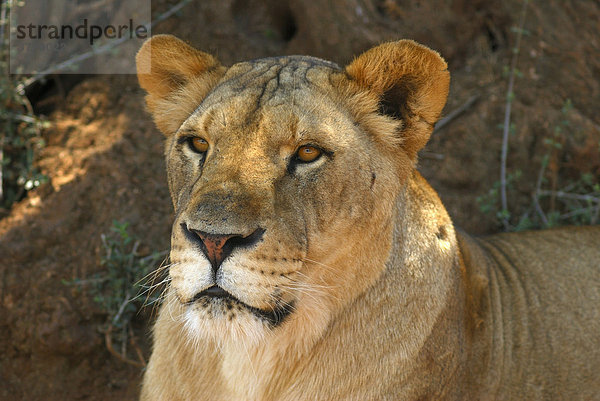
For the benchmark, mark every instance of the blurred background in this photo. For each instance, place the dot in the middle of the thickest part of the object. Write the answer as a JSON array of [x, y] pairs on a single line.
[[85, 212]]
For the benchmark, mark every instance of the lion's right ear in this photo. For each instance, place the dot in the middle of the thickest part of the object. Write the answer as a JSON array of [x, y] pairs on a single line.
[[411, 84], [177, 77]]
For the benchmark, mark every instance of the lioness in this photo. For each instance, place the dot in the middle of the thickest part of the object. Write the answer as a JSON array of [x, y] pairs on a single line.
[[311, 261]]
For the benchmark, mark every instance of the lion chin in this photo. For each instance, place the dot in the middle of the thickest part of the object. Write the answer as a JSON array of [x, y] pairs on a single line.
[[311, 261], [215, 314]]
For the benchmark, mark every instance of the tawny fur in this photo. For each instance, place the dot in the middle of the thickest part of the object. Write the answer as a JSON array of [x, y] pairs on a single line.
[[387, 300]]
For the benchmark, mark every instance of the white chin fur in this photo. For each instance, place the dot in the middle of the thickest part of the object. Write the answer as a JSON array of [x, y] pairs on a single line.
[[224, 328]]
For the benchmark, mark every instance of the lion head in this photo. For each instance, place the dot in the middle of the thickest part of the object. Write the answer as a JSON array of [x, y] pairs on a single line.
[[283, 174]]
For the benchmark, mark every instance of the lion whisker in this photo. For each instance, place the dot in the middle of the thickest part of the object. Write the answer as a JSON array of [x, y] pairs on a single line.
[[154, 273], [150, 289], [314, 285], [331, 268], [311, 293]]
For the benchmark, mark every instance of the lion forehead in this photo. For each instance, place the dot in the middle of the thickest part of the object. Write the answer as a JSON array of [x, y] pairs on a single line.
[[270, 81]]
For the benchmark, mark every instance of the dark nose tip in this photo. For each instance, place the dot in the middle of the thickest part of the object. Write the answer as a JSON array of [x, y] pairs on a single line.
[[217, 247]]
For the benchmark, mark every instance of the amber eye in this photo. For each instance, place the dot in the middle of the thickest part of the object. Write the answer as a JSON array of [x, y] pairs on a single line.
[[308, 153], [198, 144]]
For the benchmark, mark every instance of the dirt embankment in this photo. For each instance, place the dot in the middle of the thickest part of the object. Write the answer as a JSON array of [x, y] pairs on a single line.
[[104, 157]]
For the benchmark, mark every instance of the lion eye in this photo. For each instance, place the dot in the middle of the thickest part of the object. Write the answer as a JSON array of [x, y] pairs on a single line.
[[198, 144], [307, 153]]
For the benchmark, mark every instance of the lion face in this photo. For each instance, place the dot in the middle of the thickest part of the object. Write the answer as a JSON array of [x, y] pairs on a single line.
[[281, 171], [283, 186]]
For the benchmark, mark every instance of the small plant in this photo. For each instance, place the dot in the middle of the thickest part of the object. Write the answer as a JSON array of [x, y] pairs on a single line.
[[490, 203], [507, 126], [20, 130], [119, 291], [577, 203], [574, 203], [20, 141]]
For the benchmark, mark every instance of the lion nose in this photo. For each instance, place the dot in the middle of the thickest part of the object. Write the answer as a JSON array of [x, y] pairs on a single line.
[[217, 247]]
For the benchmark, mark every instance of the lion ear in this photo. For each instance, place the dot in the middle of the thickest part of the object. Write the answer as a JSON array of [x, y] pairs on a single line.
[[411, 82], [177, 77]]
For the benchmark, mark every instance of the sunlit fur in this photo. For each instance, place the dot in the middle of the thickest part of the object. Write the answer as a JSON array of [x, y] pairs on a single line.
[[371, 292]]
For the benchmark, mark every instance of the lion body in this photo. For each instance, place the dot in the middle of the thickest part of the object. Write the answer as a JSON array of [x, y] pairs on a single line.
[[539, 312], [358, 286]]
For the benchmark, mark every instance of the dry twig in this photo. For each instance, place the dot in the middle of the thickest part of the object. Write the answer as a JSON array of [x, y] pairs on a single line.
[[536, 195], [567, 195], [507, 111], [3, 23], [455, 113], [109, 345]]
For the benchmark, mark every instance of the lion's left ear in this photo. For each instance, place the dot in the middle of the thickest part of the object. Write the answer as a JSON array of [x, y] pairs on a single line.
[[411, 82], [177, 77]]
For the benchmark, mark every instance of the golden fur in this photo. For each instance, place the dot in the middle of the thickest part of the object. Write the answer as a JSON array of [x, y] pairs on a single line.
[[359, 288]]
